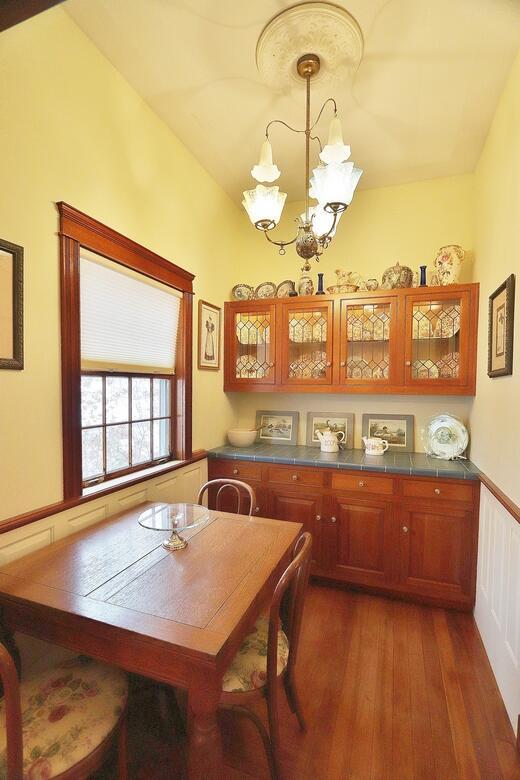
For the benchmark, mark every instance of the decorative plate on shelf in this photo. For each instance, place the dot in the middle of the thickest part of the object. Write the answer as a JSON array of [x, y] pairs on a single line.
[[242, 292], [265, 290], [445, 437], [285, 288]]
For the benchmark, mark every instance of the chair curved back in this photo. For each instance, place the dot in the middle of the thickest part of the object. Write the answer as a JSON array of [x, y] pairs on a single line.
[[235, 485], [287, 607], [13, 713]]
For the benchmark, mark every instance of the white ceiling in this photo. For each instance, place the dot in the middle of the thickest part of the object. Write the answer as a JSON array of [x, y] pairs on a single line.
[[418, 107]]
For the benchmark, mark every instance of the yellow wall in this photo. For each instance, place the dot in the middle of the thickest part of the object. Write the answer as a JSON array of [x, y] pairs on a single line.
[[494, 417], [406, 223], [72, 129]]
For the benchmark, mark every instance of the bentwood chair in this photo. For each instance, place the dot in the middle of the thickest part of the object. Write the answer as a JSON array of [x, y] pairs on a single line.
[[267, 657], [233, 485], [62, 723]]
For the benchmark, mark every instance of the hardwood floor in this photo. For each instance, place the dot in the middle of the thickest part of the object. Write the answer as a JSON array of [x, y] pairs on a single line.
[[391, 691]]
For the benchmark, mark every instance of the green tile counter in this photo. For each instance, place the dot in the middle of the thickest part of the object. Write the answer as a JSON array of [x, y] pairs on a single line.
[[412, 464]]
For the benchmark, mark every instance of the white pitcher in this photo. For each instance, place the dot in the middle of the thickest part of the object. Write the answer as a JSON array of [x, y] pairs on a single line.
[[374, 445], [329, 440]]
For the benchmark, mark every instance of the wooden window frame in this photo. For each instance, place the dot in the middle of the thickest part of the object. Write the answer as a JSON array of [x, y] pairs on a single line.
[[78, 230], [109, 475]]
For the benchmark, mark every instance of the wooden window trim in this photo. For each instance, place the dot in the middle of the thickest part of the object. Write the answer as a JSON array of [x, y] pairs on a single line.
[[79, 230]]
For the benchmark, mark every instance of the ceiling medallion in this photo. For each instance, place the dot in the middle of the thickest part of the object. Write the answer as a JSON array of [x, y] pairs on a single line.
[[323, 28], [335, 178]]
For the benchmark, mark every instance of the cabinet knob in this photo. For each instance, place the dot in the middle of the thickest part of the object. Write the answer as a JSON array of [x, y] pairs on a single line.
[[235, 471], [343, 363], [332, 519], [257, 510], [408, 362], [295, 477], [318, 518], [405, 529], [361, 483], [437, 491], [328, 364]]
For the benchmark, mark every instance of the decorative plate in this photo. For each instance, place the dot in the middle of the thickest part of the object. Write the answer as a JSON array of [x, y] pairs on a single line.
[[265, 290], [445, 437], [285, 288], [242, 292]]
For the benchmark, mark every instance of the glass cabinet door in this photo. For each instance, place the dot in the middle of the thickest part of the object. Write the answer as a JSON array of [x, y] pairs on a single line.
[[367, 347], [436, 352], [307, 343], [254, 345]]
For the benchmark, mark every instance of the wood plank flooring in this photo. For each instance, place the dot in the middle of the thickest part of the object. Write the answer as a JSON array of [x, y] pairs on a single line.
[[391, 691]]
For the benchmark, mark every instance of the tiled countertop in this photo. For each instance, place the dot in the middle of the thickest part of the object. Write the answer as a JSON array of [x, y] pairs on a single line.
[[413, 463]]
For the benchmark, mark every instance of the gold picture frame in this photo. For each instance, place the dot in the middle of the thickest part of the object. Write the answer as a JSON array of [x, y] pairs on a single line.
[[209, 336]]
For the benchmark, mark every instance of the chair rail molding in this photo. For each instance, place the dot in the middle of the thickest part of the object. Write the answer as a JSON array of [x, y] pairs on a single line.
[[497, 608]]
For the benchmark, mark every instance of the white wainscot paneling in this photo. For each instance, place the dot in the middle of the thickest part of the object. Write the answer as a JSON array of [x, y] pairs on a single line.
[[26, 544], [497, 609], [83, 519]]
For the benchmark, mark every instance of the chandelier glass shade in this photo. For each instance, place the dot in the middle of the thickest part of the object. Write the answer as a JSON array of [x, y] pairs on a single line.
[[332, 184]]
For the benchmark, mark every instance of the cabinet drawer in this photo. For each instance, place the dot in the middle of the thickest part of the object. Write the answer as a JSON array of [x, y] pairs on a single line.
[[447, 491], [289, 475], [364, 483], [236, 469]]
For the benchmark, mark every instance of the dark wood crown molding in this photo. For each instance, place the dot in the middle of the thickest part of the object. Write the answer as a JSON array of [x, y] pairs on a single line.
[[96, 236], [14, 11]]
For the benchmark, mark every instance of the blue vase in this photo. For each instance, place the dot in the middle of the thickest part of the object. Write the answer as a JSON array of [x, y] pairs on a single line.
[[422, 282], [319, 291]]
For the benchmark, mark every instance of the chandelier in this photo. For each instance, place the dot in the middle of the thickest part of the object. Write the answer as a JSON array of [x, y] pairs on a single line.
[[332, 183]]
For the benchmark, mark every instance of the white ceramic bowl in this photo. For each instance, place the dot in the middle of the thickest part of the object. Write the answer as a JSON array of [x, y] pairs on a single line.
[[241, 437]]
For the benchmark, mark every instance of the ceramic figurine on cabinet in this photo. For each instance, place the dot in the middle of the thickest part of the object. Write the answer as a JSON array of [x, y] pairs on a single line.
[[397, 276], [305, 283], [448, 263]]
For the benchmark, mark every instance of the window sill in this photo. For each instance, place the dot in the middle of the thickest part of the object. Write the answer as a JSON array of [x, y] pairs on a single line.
[[135, 476]]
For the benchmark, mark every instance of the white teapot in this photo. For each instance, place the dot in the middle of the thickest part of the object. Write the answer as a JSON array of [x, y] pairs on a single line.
[[374, 445], [329, 440]]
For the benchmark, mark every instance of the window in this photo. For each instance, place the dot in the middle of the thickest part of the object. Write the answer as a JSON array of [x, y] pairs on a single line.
[[126, 355]]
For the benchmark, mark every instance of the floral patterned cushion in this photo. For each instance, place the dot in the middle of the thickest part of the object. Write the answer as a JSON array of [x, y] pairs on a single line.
[[248, 669], [67, 712]]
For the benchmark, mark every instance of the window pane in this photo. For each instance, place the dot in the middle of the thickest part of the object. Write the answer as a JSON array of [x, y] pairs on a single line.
[[91, 400], [117, 399], [141, 399], [92, 452], [141, 443], [161, 438], [161, 397], [117, 447]]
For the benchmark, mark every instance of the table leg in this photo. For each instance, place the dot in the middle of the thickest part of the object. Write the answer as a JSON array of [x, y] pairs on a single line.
[[7, 639], [205, 760]]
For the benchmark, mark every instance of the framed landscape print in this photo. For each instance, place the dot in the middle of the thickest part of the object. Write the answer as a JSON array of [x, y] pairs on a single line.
[[209, 336], [334, 421], [397, 429], [11, 306], [277, 427], [500, 329]]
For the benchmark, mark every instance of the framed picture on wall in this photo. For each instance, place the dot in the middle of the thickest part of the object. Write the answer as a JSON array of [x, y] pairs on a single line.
[[11, 306], [209, 336], [337, 422], [396, 429], [277, 427], [500, 329]]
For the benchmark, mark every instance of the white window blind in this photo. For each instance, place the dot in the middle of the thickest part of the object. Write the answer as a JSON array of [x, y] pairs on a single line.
[[128, 322]]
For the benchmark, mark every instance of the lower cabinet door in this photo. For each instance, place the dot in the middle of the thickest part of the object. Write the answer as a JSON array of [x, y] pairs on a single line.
[[437, 552], [359, 541], [300, 507]]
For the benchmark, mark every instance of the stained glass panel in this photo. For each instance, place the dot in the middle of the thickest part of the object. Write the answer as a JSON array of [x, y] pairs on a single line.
[[368, 341], [307, 344], [436, 340], [253, 345]]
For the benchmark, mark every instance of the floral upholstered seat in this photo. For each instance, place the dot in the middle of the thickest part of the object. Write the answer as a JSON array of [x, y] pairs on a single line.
[[248, 669], [67, 712]]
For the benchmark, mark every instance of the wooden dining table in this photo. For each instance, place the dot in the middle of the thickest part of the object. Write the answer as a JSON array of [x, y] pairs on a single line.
[[113, 592]]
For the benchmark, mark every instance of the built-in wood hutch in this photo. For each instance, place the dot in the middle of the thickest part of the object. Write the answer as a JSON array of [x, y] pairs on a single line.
[[419, 341]]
